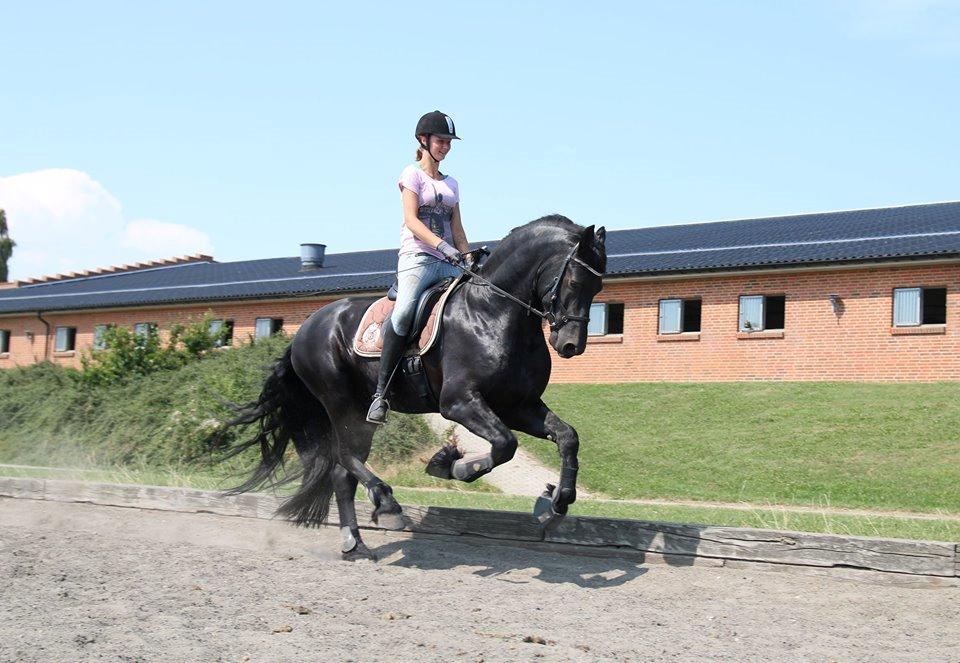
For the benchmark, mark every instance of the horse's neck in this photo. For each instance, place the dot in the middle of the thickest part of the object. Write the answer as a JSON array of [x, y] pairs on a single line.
[[516, 274]]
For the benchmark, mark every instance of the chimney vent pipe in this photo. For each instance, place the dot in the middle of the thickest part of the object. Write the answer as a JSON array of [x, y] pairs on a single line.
[[311, 256]]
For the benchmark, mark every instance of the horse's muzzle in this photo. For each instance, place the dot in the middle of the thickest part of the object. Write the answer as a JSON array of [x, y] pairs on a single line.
[[569, 350]]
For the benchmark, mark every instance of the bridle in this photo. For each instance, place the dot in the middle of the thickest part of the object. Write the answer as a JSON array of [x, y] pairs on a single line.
[[555, 320]]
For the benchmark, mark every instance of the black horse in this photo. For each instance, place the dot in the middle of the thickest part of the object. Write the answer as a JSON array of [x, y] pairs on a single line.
[[489, 372]]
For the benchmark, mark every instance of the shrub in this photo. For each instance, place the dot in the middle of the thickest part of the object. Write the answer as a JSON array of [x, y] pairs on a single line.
[[127, 354], [50, 415]]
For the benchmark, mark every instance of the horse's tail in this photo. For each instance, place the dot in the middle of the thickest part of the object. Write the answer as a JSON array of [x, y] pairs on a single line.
[[286, 411]]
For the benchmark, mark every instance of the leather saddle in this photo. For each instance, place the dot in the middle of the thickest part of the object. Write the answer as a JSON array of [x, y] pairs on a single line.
[[368, 341]]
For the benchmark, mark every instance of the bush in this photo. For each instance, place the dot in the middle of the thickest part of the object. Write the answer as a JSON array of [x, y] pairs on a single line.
[[127, 354], [56, 416]]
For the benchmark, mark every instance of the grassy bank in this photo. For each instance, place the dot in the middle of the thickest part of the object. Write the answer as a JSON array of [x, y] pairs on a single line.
[[893, 446], [870, 446], [161, 424]]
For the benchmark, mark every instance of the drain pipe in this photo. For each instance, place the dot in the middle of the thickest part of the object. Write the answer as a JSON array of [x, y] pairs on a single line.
[[46, 336]]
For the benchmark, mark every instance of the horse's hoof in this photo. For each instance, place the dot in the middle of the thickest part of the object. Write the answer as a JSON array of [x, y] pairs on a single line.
[[391, 521], [441, 464], [545, 509], [359, 552]]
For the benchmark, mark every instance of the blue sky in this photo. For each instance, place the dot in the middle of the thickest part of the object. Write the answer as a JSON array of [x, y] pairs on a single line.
[[132, 131]]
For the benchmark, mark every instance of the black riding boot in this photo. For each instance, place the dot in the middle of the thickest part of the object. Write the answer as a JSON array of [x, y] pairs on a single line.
[[390, 356]]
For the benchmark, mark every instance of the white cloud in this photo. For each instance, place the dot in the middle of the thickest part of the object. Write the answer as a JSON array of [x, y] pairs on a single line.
[[147, 235], [64, 220]]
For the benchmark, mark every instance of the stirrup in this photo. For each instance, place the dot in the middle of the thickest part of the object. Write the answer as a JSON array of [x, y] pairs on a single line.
[[377, 400]]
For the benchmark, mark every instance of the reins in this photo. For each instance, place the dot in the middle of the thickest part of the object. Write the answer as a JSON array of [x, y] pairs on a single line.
[[555, 321]]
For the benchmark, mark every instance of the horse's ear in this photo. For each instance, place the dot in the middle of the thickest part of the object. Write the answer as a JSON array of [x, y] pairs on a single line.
[[586, 237], [601, 235]]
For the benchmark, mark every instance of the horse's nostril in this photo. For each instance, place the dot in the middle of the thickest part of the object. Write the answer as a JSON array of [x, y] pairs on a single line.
[[569, 349]]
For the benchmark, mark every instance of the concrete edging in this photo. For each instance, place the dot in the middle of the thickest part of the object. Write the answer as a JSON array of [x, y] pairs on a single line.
[[576, 534]]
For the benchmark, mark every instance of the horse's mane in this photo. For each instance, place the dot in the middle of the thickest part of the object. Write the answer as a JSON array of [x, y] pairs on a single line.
[[551, 221], [552, 227]]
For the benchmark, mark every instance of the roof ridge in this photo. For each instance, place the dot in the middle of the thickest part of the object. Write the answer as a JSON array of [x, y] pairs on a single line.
[[787, 216], [119, 269]]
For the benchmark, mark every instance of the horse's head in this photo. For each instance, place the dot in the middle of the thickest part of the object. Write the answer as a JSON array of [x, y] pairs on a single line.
[[568, 302]]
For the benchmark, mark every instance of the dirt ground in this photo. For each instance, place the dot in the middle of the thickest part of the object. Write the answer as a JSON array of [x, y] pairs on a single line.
[[82, 582]]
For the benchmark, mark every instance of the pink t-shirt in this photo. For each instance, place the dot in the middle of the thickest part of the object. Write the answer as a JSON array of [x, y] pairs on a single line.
[[437, 199]]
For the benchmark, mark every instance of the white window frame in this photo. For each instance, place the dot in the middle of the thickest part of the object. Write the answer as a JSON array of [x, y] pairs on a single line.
[[602, 308], [272, 323], [918, 312], [69, 333], [740, 316], [144, 326], [660, 316], [216, 326], [98, 332]]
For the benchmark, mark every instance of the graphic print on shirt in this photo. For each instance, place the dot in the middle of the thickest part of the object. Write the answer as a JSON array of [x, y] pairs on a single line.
[[436, 217]]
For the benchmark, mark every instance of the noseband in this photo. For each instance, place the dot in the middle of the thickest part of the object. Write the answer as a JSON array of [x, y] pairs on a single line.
[[553, 319]]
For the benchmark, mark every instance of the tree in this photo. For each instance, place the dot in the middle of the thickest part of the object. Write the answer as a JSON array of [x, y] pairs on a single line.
[[6, 246]]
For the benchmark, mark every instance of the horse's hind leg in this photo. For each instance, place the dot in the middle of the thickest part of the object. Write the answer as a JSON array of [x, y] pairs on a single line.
[[387, 512], [351, 545], [355, 437]]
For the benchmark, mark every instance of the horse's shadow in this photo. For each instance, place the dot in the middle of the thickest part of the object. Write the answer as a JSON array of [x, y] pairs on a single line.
[[510, 564]]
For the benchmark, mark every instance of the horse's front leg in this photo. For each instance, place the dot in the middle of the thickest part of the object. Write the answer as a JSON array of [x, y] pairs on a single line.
[[540, 421], [473, 413]]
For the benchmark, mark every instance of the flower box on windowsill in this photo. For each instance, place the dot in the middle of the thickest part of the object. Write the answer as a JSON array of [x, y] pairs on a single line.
[[766, 333], [606, 338], [922, 330]]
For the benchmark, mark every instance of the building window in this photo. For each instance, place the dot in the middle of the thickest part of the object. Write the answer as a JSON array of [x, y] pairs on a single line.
[[679, 315], [142, 329], [66, 339], [913, 307], [4, 341], [760, 312], [99, 342], [267, 327], [605, 318], [217, 328]]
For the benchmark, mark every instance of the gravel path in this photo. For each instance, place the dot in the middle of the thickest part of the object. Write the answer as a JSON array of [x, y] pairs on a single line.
[[83, 583], [523, 475]]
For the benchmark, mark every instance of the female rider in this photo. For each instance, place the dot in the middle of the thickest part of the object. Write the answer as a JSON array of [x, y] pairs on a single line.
[[431, 242]]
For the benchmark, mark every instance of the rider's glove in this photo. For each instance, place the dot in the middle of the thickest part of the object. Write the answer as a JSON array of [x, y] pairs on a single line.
[[450, 253]]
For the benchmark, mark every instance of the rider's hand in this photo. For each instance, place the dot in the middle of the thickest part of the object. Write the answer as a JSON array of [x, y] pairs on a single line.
[[451, 254]]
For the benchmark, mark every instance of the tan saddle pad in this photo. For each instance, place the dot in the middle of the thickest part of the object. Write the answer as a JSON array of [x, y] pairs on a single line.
[[368, 341]]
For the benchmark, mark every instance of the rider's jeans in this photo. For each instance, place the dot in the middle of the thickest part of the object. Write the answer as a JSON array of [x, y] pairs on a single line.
[[415, 273]]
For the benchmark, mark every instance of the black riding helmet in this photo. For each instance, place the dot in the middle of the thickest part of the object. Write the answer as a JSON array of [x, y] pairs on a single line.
[[435, 124]]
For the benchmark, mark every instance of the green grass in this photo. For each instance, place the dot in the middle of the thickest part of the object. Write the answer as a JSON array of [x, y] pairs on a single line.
[[892, 446], [869, 446]]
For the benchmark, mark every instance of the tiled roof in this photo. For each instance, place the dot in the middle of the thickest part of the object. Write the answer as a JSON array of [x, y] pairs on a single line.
[[915, 231]]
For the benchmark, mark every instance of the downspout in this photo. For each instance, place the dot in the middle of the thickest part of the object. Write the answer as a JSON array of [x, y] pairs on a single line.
[[46, 336]]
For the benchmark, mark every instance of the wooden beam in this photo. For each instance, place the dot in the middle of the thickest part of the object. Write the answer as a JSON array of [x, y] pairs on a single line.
[[605, 536]]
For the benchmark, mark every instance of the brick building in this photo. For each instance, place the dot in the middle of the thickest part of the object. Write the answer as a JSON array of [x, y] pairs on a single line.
[[856, 295]]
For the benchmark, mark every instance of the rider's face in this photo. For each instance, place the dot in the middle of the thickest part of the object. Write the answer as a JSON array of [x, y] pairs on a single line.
[[439, 147]]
